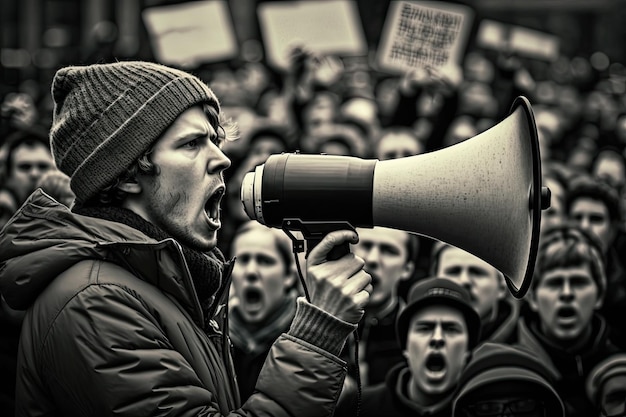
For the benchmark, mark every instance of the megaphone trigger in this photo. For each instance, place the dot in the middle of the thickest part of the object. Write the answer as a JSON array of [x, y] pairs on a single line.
[[313, 232]]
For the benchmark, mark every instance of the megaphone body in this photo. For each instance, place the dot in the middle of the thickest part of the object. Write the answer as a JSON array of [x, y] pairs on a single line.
[[482, 195]]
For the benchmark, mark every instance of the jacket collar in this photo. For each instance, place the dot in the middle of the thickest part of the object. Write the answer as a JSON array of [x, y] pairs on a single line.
[[44, 238]]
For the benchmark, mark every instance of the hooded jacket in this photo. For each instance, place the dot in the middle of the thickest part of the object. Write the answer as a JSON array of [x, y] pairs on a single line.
[[114, 327], [391, 399], [572, 365]]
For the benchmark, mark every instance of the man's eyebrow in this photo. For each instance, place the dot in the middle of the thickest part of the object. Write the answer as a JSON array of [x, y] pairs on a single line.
[[197, 132], [442, 321]]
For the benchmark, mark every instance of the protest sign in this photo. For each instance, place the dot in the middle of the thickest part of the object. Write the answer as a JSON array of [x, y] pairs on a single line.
[[330, 27], [519, 40], [189, 34], [423, 34]]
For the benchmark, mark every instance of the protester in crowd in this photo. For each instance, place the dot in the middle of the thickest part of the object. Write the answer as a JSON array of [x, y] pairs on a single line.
[[594, 206], [461, 128], [609, 165], [398, 142], [438, 87], [497, 310], [360, 109], [389, 256], [606, 386], [502, 380], [28, 158], [562, 324], [311, 88], [556, 180], [124, 294], [437, 331], [336, 139], [265, 290]]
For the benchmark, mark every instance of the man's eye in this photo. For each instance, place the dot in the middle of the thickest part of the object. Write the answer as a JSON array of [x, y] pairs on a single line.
[[596, 219], [452, 329], [191, 144]]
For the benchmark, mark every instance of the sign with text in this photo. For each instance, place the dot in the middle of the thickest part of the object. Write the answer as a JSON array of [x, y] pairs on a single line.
[[423, 34], [189, 34], [519, 40], [326, 27]]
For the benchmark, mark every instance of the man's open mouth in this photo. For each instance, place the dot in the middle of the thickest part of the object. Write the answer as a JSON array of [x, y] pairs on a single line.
[[566, 317], [212, 207], [252, 299], [436, 363], [566, 312]]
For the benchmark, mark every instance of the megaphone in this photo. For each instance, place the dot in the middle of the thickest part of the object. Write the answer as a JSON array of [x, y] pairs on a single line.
[[483, 195]]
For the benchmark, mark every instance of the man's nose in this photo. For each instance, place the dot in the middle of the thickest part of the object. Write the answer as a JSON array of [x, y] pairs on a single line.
[[251, 271], [566, 292], [465, 280], [372, 257], [584, 223], [218, 161], [437, 340]]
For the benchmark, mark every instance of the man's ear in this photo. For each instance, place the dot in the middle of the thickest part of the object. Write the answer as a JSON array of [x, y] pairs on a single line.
[[130, 186], [600, 298], [532, 301], [468, 357], [291, 279], [503, 290], [407, 270]]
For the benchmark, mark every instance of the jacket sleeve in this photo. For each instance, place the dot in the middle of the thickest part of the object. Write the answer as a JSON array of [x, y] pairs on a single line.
[[302, 373], [106, 353]]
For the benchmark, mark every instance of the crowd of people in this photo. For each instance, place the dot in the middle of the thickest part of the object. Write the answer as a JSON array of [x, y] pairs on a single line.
[[127, 290]]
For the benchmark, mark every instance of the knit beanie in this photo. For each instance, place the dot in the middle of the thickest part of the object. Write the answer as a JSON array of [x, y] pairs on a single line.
[[107, 115], [498, 370]]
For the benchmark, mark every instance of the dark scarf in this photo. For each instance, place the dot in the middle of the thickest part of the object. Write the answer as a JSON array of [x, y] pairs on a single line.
[[205, 267]]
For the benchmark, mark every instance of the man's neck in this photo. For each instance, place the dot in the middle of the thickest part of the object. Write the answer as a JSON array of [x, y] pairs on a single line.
[[569, 344], [418, 396], [491, 315]]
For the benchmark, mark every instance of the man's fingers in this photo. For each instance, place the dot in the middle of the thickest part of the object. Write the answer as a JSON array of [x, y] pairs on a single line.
[[358, 282], [338, 237]]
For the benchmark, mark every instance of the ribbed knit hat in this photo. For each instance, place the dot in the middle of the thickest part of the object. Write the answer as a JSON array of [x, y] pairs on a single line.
[[498, 370], [107, 115]]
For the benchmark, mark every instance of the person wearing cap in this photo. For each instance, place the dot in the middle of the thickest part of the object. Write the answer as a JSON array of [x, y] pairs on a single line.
[[497, 310], [125, 291], [561, 323], [503, 380], [437, 331], [606, 386]]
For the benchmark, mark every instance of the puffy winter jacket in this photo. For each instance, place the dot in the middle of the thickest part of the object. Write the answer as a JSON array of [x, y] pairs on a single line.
[[114, 328]]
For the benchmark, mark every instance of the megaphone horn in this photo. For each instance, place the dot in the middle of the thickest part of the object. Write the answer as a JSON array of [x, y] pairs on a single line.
[[482, 195]]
